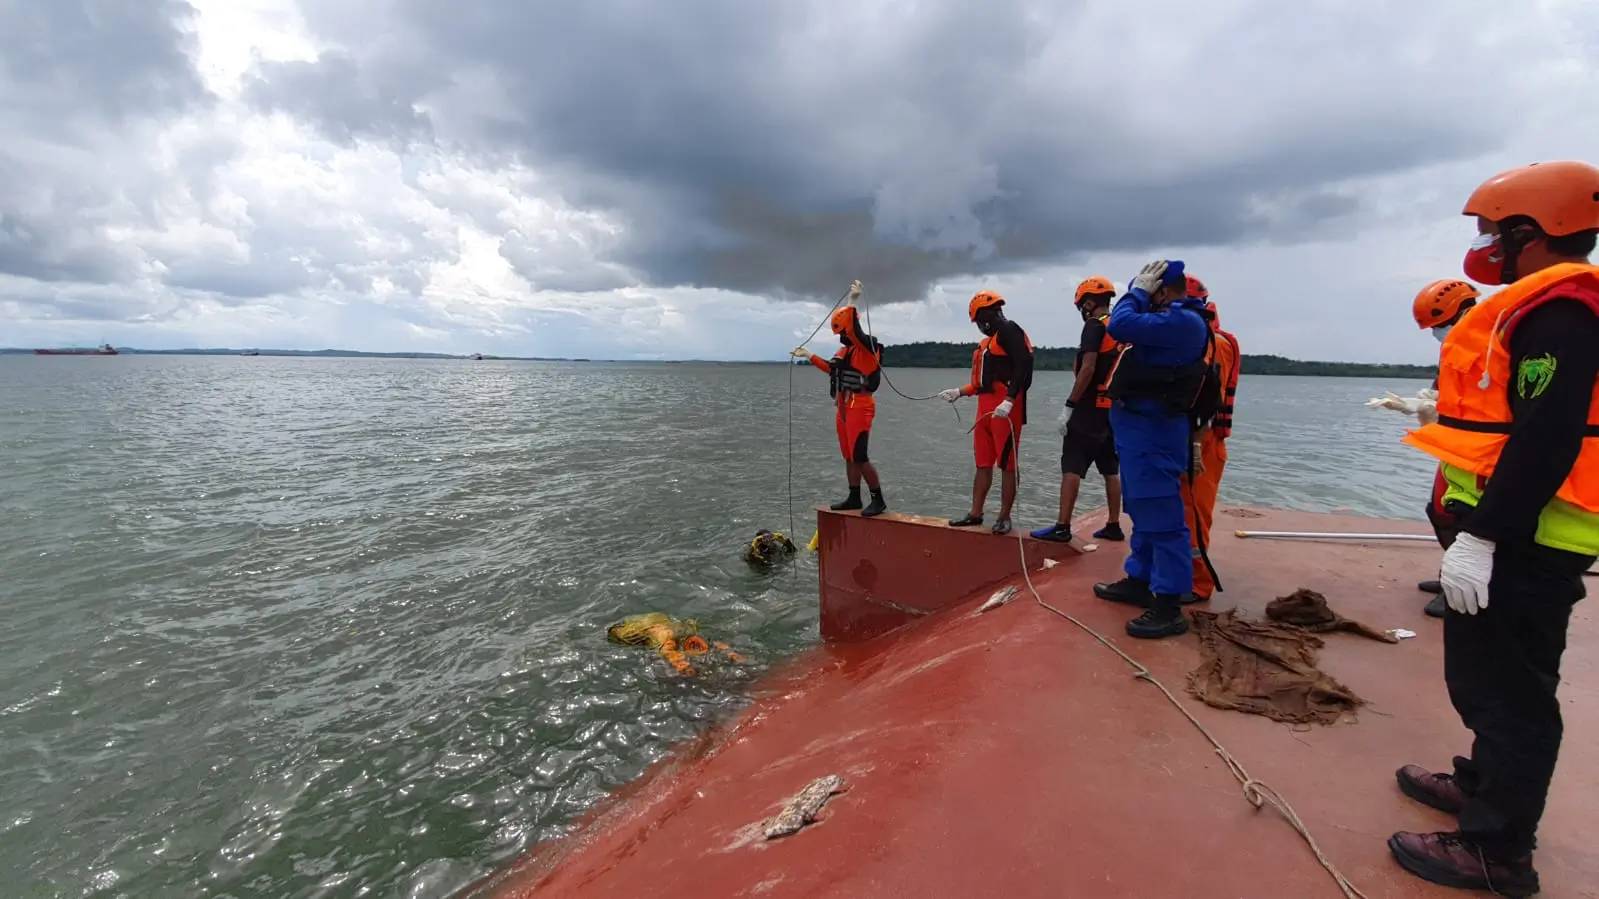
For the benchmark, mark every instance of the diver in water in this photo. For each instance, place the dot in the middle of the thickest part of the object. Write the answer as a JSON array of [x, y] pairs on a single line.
[[854, 374], [768, 548]]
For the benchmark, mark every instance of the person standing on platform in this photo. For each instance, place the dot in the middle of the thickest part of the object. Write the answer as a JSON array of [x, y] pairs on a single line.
[[1210, 447], [1085, 427], [1002, 370], [1517, 441]]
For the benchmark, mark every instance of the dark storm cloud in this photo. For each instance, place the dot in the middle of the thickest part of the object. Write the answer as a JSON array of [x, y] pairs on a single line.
[[784, 148], [72, 74]]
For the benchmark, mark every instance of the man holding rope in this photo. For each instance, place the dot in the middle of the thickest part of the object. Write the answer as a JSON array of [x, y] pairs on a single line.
[[1002, 370]]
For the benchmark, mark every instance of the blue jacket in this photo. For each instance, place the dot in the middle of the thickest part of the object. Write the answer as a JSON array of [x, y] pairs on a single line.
[[1172, 336]]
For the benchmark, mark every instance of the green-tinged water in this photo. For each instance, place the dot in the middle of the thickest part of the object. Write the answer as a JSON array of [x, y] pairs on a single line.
[[335, 628]]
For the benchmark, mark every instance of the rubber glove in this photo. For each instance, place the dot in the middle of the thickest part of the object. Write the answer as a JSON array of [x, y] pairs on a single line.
[[1394, 401], [1002, 410], [952, 394], [1467, 569], [1148, 280], [1427, 409], [1060, 423], [800, 352], [854, 291]]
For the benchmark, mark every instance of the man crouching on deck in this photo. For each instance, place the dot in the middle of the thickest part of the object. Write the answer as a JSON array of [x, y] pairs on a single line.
[[1517, 437]]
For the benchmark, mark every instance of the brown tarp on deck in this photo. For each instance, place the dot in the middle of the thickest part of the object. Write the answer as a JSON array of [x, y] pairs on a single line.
[[1265, 668]]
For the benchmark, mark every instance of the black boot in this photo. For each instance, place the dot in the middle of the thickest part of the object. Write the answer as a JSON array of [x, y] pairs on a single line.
[[1432, 587], [1164, 618], [1111, 531], [1436, 607], [876, 507], [854, 501], [1128, 590]]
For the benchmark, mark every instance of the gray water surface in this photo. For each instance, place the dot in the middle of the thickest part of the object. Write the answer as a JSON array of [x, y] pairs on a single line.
[[335, 628]]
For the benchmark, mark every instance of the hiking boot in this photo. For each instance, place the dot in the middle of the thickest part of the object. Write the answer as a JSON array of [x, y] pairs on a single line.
[[853, 502], [1162, 619], [1128, 590], [1111, 531], [1189, 599], [1436, 606], [1450, 860], [876, 507], [1056, 533], [1440, 791], [1433, 587]]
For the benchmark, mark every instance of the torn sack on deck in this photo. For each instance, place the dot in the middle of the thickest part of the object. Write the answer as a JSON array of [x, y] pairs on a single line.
[[1309, 610], [1266, 669]]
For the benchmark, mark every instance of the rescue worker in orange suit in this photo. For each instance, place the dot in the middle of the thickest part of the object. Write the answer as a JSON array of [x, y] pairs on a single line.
[[854, 374], [1517, 437], [1210, 447], [1161, 375], [1085, 428], [1437, 308], [1002, 370]]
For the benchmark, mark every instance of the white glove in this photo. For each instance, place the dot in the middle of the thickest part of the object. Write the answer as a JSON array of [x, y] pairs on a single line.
[[1467, 569], [1149, 278], [952, 394], [1427, 412], [1394, 401], [1060, 423], [854, 291], [800, 352], [1002, 410], [1427, 393]]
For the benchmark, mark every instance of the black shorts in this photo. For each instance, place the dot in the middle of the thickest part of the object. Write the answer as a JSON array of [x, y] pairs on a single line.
[[1089, 441]]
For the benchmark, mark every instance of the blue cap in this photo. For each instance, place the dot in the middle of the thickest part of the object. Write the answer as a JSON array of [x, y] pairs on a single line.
[[1174, 273]]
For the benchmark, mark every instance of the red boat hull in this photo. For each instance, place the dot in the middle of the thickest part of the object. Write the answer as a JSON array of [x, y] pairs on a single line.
[[1012, 754]]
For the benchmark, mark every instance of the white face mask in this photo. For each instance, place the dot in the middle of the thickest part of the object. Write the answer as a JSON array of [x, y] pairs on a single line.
[[1441, 332]]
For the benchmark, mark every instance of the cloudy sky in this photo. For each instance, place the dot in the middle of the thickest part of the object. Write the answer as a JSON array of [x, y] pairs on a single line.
[[684, 179]]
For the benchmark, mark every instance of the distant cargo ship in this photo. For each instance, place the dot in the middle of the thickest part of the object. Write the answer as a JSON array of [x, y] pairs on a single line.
[[104, 349]]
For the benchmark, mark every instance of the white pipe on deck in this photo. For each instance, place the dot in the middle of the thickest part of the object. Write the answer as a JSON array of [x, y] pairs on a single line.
[[1331, 535]]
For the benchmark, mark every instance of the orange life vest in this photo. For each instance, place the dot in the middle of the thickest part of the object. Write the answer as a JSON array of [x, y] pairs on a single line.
[[990, 363], [1231, 360], [1475, 377], [1104, 364]]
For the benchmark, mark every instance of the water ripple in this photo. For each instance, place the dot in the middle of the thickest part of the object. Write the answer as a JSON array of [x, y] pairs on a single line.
[[334, 628]]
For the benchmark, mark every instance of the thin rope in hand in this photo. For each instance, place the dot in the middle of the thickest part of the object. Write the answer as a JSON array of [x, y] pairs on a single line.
[[1256, 793], [914, 399]]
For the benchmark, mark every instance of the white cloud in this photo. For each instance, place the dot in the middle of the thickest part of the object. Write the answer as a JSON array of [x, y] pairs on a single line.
[[223, 224]]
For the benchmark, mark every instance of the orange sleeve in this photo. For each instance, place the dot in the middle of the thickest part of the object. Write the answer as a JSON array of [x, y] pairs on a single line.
[[864, 362], [821, 363]]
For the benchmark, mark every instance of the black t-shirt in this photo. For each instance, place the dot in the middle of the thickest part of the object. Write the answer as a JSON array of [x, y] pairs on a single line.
[[1093, 336], [1554, 364]]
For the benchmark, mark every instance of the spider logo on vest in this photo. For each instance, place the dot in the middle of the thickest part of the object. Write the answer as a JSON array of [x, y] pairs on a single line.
[[1535, 373]]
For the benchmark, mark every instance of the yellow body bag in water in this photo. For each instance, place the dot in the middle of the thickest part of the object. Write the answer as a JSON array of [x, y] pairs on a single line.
[[675, 639]]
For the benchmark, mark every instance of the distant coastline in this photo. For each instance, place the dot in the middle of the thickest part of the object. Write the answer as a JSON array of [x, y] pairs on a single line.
[[909, 355]]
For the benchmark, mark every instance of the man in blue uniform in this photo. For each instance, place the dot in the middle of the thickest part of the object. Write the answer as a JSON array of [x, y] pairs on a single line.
[[1157, 389]]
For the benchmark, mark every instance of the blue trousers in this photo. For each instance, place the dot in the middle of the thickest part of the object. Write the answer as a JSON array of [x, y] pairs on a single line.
[[1154, 459]]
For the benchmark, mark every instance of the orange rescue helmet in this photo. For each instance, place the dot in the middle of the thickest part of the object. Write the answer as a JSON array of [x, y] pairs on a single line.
[[983, 300], [844, 320], [1094, 286], [1562, 197], [1196, 288], [1440, 301]]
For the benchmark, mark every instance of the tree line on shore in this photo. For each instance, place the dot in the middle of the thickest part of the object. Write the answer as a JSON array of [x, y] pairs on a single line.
[[931, 354]]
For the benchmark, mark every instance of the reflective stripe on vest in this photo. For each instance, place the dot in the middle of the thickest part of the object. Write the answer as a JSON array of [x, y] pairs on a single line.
[[1222, 426], [1474, 413]]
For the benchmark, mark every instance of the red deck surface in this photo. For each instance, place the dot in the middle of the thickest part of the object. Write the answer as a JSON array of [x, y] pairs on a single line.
[[1010, 755]]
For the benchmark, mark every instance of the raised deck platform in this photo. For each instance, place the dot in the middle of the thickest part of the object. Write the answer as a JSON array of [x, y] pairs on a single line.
[[1011, 755]]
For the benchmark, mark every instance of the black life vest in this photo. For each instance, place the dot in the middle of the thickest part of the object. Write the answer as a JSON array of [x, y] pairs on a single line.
[[844, 377], [1193, 390]]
